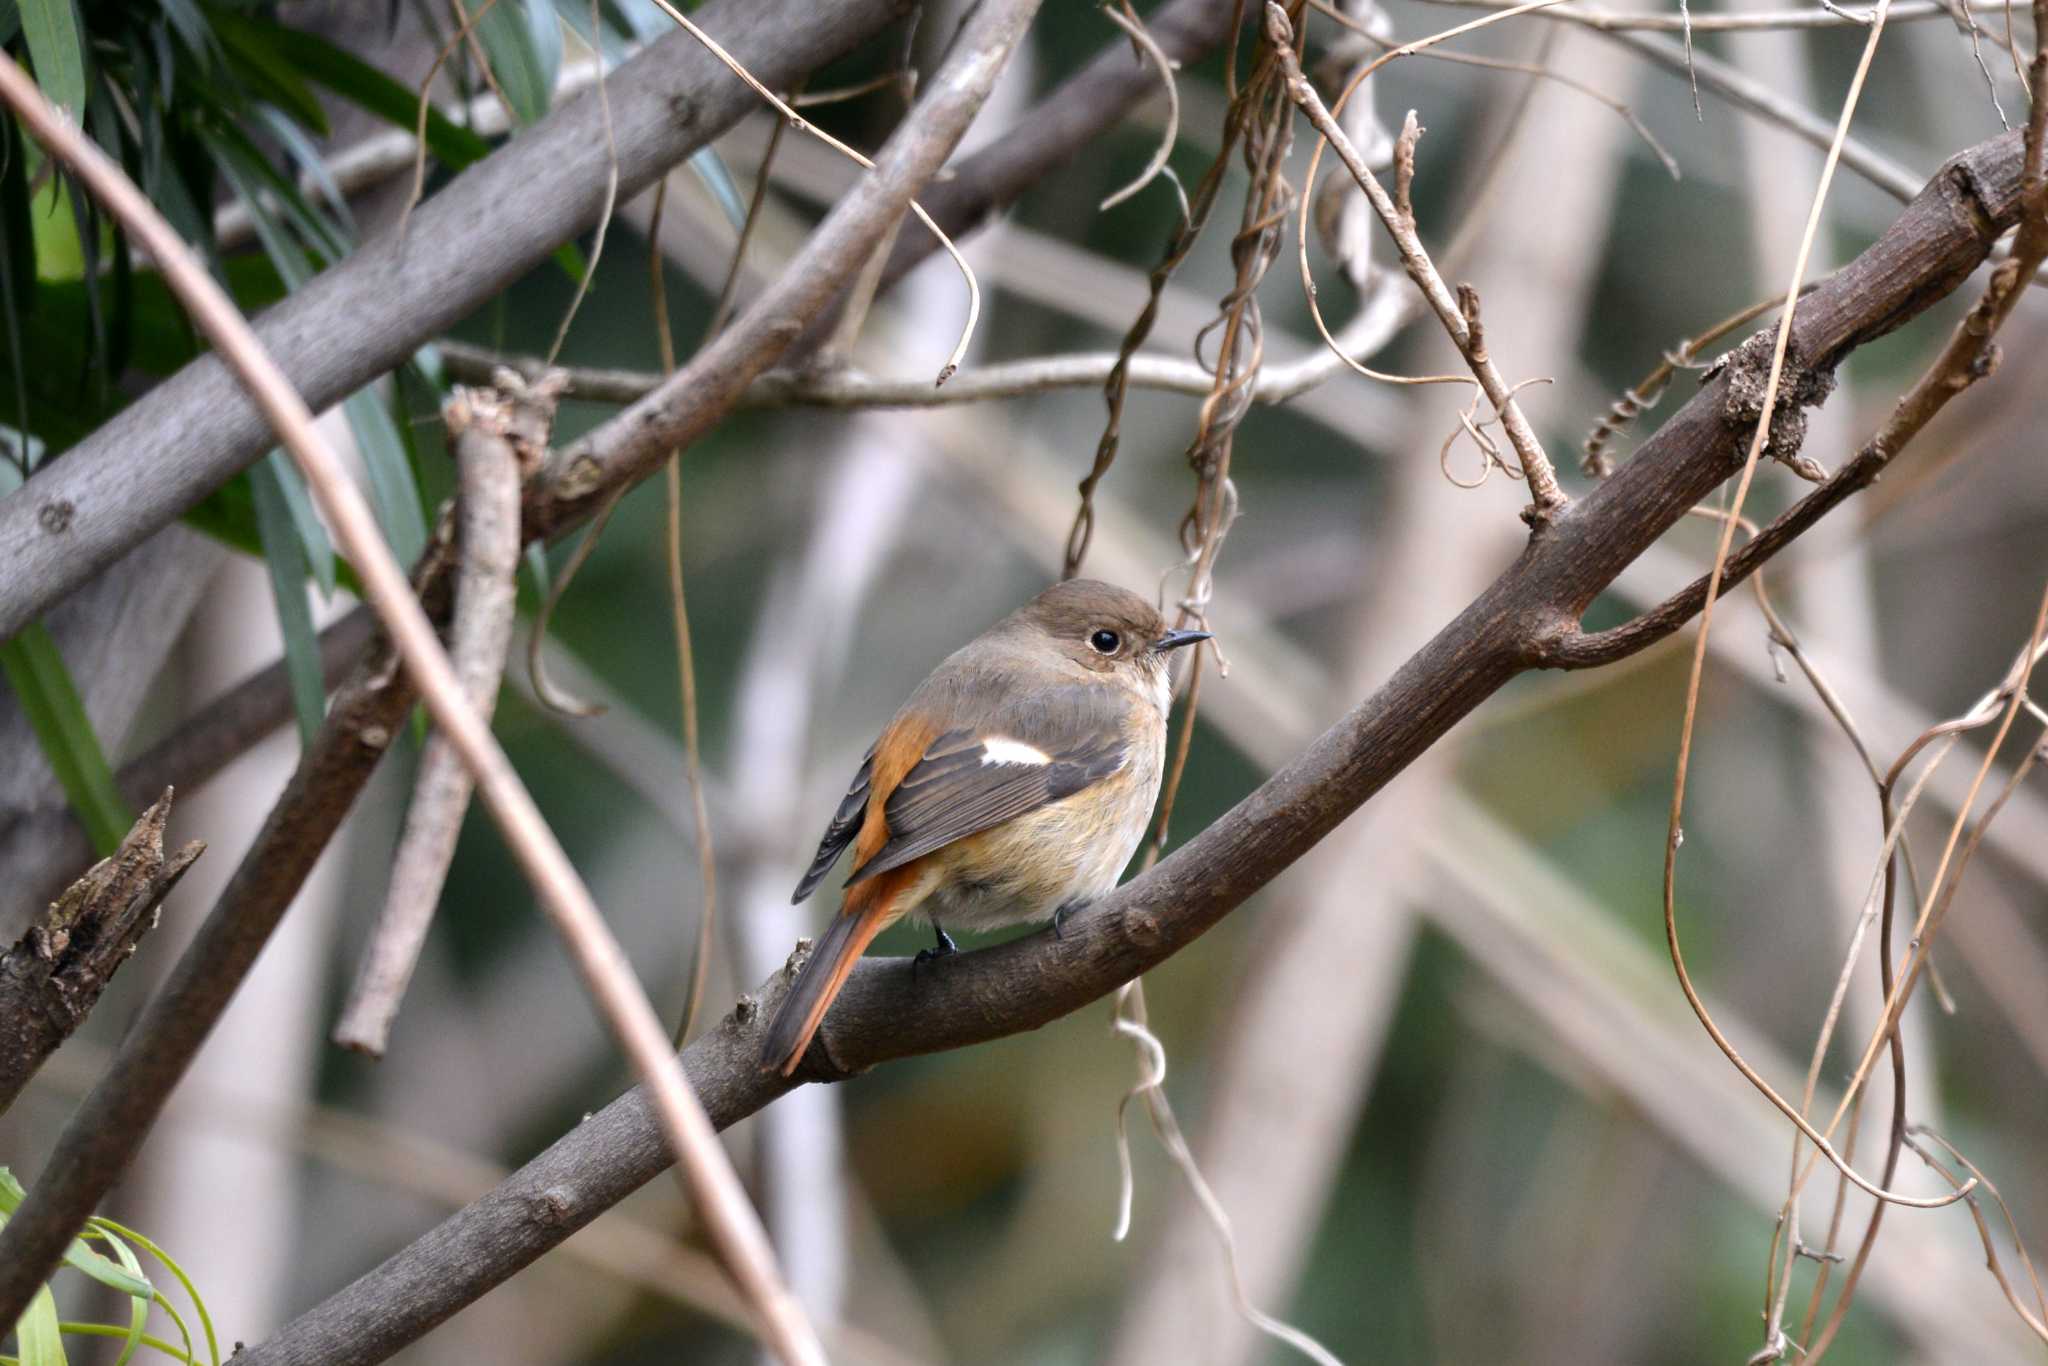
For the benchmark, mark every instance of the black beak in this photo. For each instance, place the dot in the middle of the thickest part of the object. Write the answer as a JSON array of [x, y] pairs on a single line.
[[1173, 640]]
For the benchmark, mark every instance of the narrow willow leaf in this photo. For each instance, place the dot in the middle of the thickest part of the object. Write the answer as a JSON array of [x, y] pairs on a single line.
[[394, 492], [362, 84], [56, 52], [287, 561], [49, 699], [508, 39], [266, 69], [170, 1265], [708, 168], [39, 1332], [138, 1303]]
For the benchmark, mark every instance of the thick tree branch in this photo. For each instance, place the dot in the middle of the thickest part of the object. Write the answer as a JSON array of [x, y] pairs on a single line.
[[1516, 624], [499, 218]]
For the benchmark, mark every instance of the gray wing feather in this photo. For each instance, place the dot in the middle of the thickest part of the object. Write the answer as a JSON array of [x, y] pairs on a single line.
[[952, 793], [845, 825]]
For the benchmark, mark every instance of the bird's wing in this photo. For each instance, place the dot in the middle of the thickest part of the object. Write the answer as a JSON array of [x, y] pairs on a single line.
[[1018, 756], [846, 822]]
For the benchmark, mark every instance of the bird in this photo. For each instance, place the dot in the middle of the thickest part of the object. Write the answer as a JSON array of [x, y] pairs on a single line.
[[1013, 786]]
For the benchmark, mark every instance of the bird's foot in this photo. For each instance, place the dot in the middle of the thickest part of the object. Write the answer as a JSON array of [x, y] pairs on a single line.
[[945, 948], [1059, 917]]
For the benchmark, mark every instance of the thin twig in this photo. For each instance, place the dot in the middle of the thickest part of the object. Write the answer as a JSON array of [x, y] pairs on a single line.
[[679, 612], [1141, 37], [498, 439], [419, 130], [611, 200], [1549, 499], [1673, 833]]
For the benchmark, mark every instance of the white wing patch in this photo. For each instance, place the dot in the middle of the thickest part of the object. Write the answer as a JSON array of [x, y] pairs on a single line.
[[998, 749]]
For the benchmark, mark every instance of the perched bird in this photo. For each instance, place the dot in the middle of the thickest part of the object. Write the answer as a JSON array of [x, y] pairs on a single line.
[[1014, 785]]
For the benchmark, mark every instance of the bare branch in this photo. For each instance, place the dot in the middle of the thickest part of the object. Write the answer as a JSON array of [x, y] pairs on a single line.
[[492, 454]]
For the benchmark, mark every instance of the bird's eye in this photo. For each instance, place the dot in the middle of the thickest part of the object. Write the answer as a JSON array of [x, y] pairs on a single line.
[[1105, 642]]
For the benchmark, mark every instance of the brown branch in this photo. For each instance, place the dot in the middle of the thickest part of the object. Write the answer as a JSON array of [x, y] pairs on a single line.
[[1024, 984], [499, 436], [53, 976], [1969, 356]]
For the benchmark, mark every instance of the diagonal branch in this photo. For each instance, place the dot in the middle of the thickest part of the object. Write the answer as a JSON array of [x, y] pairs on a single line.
[[1941, 237]]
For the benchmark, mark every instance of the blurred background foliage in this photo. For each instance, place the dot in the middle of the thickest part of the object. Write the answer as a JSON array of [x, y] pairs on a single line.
[[1532, 1153]]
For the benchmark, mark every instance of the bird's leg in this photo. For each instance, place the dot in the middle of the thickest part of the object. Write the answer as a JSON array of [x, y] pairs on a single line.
[[944, 947], [1067, 908]]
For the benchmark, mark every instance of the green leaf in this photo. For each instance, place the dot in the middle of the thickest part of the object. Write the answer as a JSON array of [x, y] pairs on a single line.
[[49, 699], [60, 256], [40, 1334], [707, 167], [138, 1302], [393, 491], [171, 1265], [56, 52], [517, 58], [255, 56], [228, 514], [537, 569], [191, 26], [307, 157], [17, 274], [287, 560], [362, 84], [319, 550]]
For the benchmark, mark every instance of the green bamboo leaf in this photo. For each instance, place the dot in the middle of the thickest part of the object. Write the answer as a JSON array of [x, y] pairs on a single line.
[[170, 1265], [138, 1303], [228, 515], [49, 700], [516, 58], [78, 1255], [287, 560], [362, 84], [56, 52], [39, 1333], [191, 26], [255, 56], [708, 168], [394, 492], [309, 161]]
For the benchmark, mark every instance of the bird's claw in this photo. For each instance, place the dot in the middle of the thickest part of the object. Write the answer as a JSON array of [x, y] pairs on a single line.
[[945, 948], [1059, 917]]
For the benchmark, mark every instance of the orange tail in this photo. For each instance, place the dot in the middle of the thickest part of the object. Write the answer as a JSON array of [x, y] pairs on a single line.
[[870, 908]]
